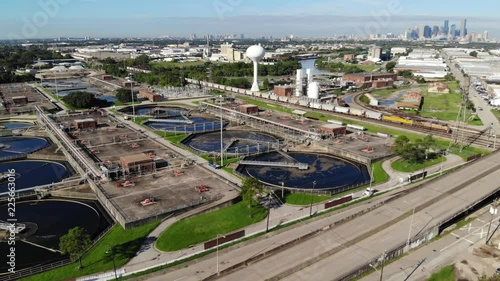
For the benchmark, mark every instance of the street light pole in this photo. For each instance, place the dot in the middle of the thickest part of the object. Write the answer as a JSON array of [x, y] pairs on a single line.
[[493, 212], [311, 205], [411, 225], [218, 236], [283, 190], [132, 95], [221, 127], [112, 249], [382, 267]]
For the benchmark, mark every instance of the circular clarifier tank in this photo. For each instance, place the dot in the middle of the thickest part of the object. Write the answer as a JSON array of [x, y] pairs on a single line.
[[15, 125], [234, 142], [327, 171], [31, 173], [15, 145], [46, 221]]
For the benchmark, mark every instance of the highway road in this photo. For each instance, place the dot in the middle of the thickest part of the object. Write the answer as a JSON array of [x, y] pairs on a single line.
[[358, 241]]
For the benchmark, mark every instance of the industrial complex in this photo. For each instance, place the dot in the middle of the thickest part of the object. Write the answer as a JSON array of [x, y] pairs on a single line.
[[225, 158]]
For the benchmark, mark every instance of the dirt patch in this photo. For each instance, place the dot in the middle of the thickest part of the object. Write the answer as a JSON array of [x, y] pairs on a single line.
[[479, 261]]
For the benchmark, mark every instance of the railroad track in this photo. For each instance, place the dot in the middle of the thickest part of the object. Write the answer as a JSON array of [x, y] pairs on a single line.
[[468, 134]]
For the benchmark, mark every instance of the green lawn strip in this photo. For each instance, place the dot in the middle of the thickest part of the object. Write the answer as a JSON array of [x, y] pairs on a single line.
[[447, 273], [139, 120], [172, 137], [207, 226], [126, 243], [405, 166], [496, 112], [380, 176], [303, 199]]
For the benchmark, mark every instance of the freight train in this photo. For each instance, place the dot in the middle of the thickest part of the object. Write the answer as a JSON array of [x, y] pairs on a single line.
[[317, 105]]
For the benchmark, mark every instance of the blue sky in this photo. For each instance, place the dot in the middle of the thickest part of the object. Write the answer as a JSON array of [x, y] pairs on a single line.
[[145, 18]]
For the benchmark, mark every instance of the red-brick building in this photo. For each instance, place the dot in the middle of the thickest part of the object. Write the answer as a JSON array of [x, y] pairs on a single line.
[[152, 97], [371, 80], [333, 129], [284, 91], [85, 123], [20, 100], [107, 77], [138, 162], [249, 109]]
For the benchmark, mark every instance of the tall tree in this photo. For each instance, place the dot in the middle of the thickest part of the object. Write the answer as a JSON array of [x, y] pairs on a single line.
[[250, 188], [74, 243]]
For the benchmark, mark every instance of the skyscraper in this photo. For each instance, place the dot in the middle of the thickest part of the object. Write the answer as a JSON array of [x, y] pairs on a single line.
[[435, 31], [485, 35], [463, 29], [446, 27], [452, 31], [421, 30], [427, 31]]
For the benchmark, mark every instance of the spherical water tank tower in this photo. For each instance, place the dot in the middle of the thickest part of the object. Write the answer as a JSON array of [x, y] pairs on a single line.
[[255, 53], [313, 90]]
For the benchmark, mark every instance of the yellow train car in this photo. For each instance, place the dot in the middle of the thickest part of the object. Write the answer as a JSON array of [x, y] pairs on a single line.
[[397, 119]]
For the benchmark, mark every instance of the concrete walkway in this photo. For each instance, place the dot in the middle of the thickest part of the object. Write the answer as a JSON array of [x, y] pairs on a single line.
[[149, 257]]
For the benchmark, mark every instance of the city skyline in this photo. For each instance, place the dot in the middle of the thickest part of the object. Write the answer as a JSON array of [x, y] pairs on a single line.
[[23, 19]]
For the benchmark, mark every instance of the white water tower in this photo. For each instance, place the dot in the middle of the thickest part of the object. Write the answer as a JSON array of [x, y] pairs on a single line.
[[313, 90], [255, 53]]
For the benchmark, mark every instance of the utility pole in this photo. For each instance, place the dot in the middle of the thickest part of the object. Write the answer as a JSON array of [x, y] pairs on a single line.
[[409, 230], [493, 212], [311, 205], [221, 128], [382, 267]]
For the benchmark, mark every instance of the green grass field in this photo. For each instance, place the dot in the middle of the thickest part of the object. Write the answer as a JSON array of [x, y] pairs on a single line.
[[379, 174], [125, 242], [445, 274], [204, 227], [368, 68], [385, 92], [405, 166], [303, 199]]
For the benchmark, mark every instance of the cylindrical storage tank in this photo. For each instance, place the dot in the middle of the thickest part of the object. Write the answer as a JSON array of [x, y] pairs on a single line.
[[313, 90], [298, 90], [309, 75]]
